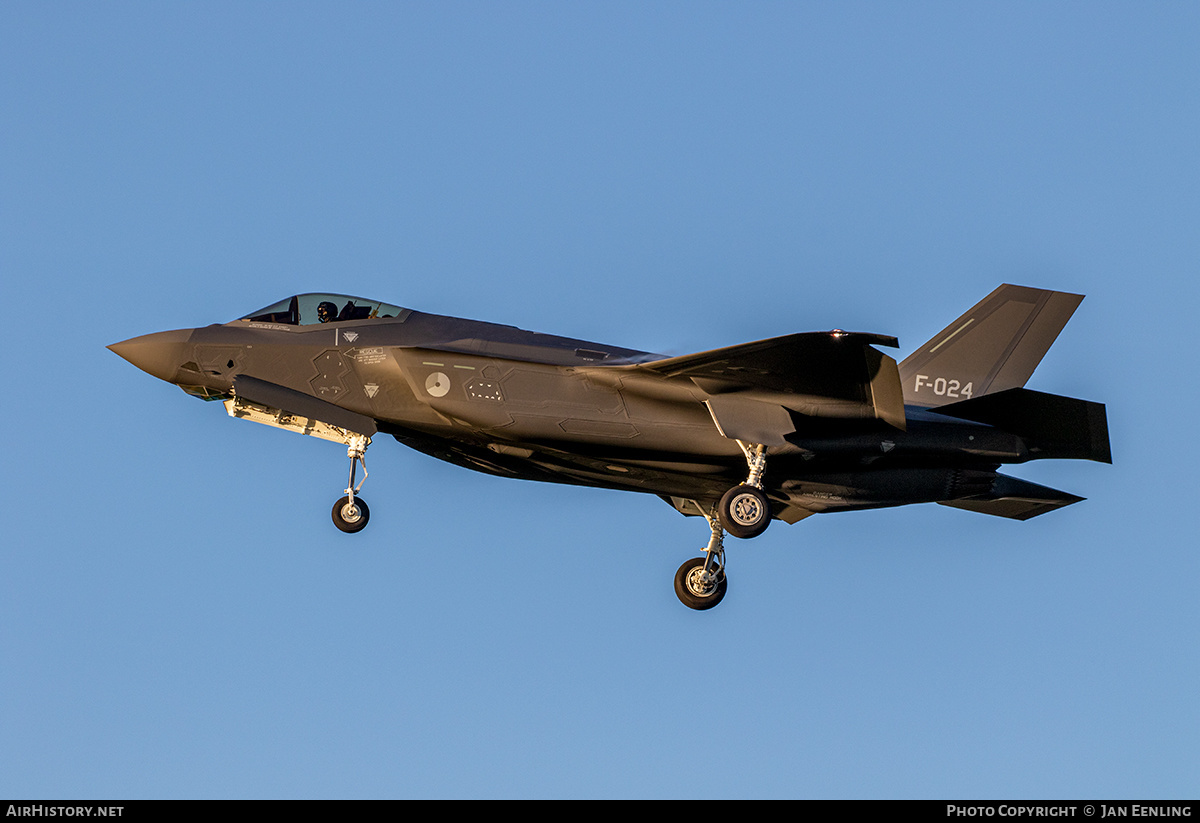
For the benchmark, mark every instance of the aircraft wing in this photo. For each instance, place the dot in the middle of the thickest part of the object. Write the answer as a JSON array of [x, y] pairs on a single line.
[[794, 362], [822, 374]]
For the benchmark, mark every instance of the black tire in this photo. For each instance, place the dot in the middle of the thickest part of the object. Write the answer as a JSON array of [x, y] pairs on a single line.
[[744, 511], [691, 592], [351, 522]]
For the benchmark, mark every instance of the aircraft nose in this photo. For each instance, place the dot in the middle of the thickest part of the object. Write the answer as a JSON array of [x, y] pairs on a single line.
[[158, 354]]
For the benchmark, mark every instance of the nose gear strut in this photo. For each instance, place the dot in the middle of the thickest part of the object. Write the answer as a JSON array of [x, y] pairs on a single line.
[[350, 513]]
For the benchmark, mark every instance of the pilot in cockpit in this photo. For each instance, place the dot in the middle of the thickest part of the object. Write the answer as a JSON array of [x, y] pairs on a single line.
[[326, 311]]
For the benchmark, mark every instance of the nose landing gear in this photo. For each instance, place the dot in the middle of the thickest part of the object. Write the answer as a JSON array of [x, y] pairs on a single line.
[[349, 516], [350, 513]]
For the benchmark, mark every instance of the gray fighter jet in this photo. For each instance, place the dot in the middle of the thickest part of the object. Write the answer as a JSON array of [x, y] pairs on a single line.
[[778, 429]]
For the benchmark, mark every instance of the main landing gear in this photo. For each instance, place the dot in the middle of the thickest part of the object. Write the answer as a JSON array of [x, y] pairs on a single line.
[[350, 513], [700, 582], [743, 511]]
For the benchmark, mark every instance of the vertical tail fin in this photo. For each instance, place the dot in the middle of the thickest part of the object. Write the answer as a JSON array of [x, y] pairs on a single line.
[[994, 346]]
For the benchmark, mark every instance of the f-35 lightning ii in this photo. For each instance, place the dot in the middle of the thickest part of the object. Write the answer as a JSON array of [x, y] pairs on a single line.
[[777, 429]]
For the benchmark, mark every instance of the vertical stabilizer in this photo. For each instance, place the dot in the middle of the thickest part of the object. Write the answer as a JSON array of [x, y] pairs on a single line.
[[993, 347]]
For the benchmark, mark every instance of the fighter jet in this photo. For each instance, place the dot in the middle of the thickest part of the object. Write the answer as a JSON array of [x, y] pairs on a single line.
[[778, 429]]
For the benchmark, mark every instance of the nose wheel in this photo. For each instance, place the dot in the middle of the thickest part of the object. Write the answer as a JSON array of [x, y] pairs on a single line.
[[350, 513]]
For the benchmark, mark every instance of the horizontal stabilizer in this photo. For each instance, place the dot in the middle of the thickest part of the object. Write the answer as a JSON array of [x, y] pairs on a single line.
[[1015, 499], [303, 405], [994, 346], [1052, 426], [822, 374]]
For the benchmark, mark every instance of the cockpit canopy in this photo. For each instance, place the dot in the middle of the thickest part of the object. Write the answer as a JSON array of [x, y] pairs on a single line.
[[311, 309]]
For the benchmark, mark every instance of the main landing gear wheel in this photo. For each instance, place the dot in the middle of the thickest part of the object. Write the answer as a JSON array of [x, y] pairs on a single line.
[[698, 590], [700, 582], [351, 516], [744, 511]]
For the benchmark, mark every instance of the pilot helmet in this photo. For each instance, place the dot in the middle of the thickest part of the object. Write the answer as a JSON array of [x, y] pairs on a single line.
[[326, 311]]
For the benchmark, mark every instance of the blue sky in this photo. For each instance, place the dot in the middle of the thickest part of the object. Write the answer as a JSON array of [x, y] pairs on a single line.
[[178, 616]]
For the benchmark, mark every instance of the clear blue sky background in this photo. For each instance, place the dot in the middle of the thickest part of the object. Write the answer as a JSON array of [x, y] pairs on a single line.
[[178, 616]]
